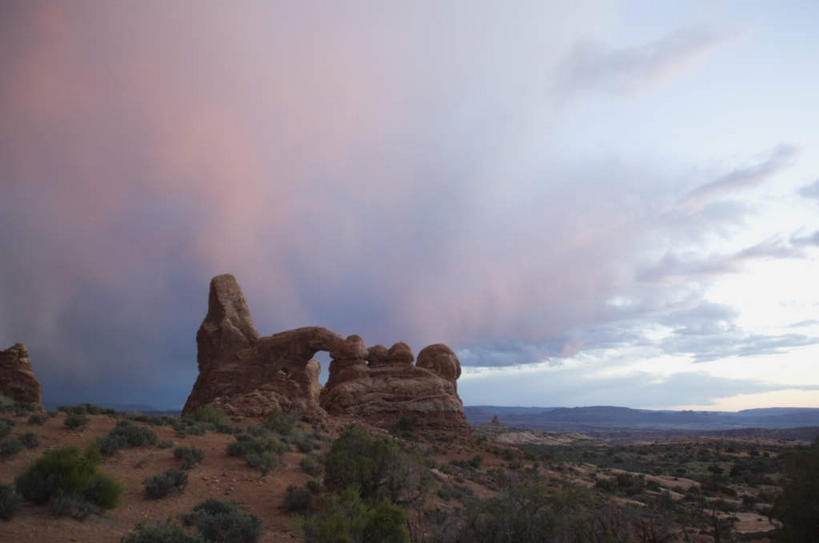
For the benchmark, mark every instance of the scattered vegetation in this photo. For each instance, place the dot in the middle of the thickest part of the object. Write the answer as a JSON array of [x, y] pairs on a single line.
[[30, 440], [159, 486], [10, 502], [165, 532], [9, 446], [297, 500], [5, 427], [347, 517], [224, 522], [68, 479], [86, 409], [311, 465], [189, 456], [75, 421], [17, 408], [38, 418], [260, 449], [797, 507], [125, 435], [378, 466]]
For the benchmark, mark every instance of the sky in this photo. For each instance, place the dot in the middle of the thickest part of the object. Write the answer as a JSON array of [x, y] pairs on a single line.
[[592, 203]]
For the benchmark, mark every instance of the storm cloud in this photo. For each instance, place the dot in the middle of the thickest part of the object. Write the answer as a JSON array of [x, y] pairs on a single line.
[[391, 171]]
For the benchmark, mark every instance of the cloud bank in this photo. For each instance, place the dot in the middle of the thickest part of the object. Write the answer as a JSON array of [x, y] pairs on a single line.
[[380, 171]]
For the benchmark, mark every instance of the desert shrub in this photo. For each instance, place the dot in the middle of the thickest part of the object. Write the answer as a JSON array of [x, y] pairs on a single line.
[[261, 450], [9, 446], [66, 475], [311, 465], [302, 440], [71, 504], [30, 440], [13, 406], [165, 444], [38, 418], [297, 500], [86, 409], [165, 532], [75, 421], [188, 426], [220, 521], [5, 427], [159, 486], [124, 435], [796, 507], [346, 517], [377, 466], [209, 414], [313, 486], [189, 456], [10, 502], [279, 422]]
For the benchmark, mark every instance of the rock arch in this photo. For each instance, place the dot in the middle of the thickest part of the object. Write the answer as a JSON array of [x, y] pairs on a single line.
[[249, 375]]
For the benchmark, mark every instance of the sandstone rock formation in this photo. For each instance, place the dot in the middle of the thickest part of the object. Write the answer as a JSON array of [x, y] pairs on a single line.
[[17, 379], [249, 375], [391, 388]]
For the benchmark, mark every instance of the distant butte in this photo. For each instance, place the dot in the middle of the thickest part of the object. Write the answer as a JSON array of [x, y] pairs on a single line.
[[248, 375]]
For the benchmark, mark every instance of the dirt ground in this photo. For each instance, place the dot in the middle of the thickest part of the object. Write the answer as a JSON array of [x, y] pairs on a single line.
[[218, 476]]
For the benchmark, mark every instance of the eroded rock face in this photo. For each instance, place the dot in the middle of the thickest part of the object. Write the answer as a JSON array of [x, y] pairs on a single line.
[[391, 388], [249, 375], [17, 379]]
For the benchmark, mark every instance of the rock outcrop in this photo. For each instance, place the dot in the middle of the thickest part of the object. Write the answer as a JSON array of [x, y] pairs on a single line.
[[17, 379], [249, 375], [390, 388]]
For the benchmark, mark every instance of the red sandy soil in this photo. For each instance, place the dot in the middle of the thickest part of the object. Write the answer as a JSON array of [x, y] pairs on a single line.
[[218, 476]]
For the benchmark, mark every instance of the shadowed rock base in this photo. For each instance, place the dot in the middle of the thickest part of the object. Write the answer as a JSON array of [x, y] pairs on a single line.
[[248, 375]]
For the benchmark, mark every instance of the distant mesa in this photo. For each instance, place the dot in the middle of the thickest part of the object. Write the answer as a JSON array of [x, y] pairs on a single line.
[[249, 375], [17, 379]]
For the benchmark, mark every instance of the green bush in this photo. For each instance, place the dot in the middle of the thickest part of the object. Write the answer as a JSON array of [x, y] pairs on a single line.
[[71, 504], [9, 446], [165, 444], [5, 427], [347, 518], [86, 409], [261, 450], [311, 465], [65, 476], [124, 435], [220, 521], [297, 500], [159, 486], [10, 502], [209, 414], [797, 507], [30, 440], [75, 421], [279, 422], [13, 406], [38, 418], [190, 456], [377, 466], [162, 533]]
